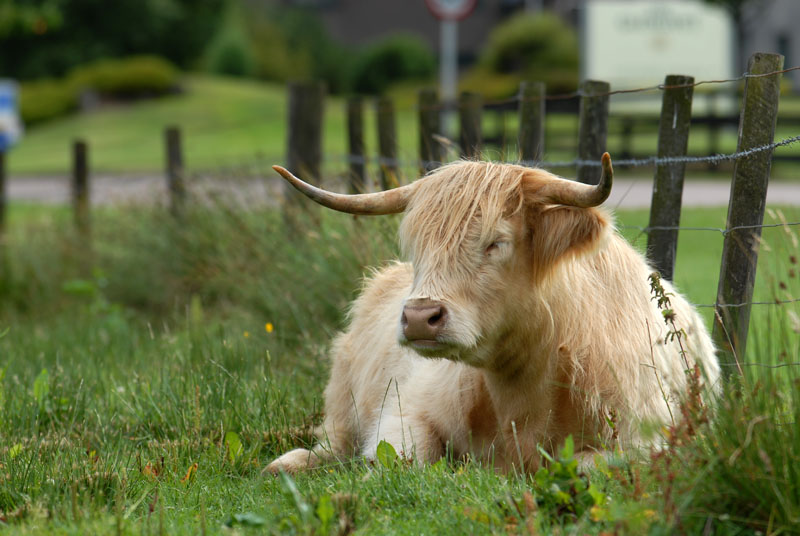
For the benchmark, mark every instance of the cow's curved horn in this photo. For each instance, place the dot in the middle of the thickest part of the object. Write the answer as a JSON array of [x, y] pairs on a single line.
[[565, 192], [375, 204]]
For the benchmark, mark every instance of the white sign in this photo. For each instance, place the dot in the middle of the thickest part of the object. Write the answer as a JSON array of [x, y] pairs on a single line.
[[451, 9], [635, 43], [10, 125]]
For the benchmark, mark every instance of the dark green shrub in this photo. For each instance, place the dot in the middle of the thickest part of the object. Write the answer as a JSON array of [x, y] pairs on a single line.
[[231, 51], [396, 59], [274, 59], [534, 47], [135, 76], [46, 99], [231, 57], [48, 38], [293, 44]]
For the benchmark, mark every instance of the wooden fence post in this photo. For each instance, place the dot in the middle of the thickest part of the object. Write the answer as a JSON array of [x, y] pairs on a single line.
[[592, 128], [306, 107], [80, 185], [673, 140], [387, 143], [430, 150], [175, 170], [746, 211], [470, 112], [531, 121], [355, 135]]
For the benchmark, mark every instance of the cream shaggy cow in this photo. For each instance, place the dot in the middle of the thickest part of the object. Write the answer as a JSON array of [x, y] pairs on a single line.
[[522, 317]]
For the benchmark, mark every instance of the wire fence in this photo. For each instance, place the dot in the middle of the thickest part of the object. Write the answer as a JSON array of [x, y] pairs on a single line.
[[261, 161], [713, 159], [657, 87], [629, 162]]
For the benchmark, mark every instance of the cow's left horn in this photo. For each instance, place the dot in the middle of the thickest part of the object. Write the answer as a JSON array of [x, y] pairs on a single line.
[[565, 192], [375, 204]]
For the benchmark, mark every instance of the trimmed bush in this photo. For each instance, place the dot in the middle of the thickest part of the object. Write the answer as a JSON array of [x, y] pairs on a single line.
[[231, 57], [131, 77], [231, 51], [273, 56], [538, 47], [134, 77], [399, 58], [45, 99], [293, 44]]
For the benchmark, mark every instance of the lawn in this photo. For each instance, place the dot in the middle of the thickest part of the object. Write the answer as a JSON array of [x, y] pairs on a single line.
[[232, 123], [142, 392]]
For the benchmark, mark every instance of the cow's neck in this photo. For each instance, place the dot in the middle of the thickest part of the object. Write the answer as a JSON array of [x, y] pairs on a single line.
[[521, 367]]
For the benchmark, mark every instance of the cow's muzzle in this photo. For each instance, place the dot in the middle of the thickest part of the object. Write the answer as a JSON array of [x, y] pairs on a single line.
[[423, 321]]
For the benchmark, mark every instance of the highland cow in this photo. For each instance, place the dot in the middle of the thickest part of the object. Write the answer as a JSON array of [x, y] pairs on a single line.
[[520, 318]]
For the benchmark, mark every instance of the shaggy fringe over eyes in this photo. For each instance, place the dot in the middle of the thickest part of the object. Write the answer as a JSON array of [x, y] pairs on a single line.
[[462, 190]]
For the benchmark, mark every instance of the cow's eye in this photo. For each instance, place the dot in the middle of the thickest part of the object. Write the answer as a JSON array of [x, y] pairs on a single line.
[[494, 246]]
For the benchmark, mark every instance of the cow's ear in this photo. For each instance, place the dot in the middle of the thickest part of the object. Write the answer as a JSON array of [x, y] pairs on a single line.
[[558, 231]]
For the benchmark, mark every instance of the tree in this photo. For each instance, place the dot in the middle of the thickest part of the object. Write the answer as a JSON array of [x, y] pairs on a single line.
[[49, 37]]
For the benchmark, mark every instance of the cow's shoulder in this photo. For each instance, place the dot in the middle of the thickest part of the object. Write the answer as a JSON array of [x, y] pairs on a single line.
[[387, 283]]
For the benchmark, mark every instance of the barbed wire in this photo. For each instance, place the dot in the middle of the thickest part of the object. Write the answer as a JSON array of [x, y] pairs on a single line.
[[667, 160], [745, 304], [721, 230], [761, 365], [578, 162], [579, 93]]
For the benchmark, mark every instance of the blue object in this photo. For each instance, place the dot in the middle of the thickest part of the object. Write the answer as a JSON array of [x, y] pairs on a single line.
[[10, 125]]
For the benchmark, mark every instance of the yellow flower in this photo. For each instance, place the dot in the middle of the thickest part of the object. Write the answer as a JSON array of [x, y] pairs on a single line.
[[268, 327], [246, 334]]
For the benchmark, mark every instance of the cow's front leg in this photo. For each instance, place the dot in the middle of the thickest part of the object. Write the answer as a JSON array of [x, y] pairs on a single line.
[[521, 441], [411, 436]]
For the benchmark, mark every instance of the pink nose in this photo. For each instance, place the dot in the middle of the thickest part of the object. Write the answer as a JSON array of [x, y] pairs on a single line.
[[423, 319]]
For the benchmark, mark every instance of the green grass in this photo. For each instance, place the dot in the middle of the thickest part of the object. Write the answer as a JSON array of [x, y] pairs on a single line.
[[224, 122], [118, 375]]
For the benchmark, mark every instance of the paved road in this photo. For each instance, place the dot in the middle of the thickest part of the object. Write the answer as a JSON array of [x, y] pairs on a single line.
[[627, 193]]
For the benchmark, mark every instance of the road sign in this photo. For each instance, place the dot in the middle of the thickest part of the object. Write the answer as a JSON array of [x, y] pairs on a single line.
[[451, 10], [10, 125]]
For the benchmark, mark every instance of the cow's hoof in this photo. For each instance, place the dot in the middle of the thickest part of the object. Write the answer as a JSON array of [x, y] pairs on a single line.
[[291, 462]]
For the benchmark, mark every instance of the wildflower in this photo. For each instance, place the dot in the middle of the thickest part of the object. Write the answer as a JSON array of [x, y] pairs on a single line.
[[268, 327], [246, 334]]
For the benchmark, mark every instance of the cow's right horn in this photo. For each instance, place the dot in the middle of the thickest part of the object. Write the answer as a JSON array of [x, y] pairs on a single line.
[[375, 204], [566, 192]]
